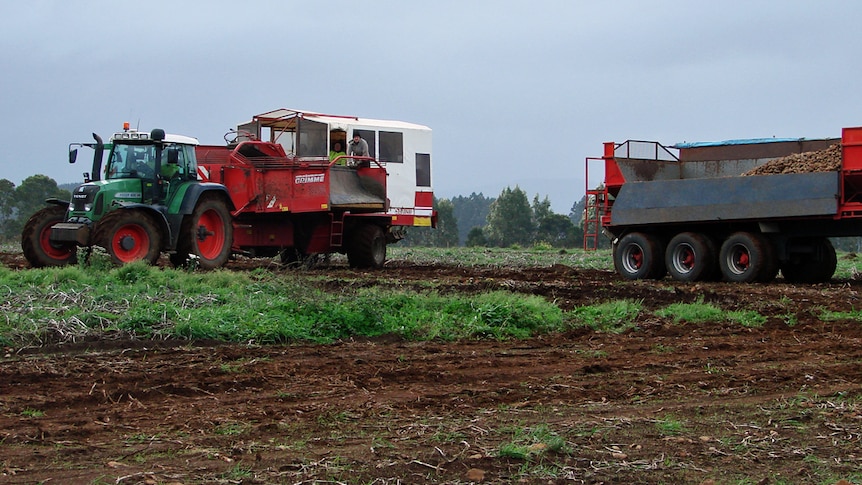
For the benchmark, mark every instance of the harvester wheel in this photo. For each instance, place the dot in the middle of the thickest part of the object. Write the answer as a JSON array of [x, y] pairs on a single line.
[[128, 235], [817, 267], [293, 258], [639, 256], [36, 243], [744, 257], [207, 234], [691, 257], [367, 247]]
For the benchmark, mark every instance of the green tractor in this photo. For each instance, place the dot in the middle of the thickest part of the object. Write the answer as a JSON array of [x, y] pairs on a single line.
[[147, 200]]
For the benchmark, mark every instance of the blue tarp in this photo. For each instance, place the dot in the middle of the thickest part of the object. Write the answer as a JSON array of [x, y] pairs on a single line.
[[749, 141]]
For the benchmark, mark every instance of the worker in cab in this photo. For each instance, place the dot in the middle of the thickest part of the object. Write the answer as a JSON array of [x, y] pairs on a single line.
[[337, 151], [358, 148]]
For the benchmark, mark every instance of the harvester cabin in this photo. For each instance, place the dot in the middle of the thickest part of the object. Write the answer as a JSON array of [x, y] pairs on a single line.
[[403, 149]]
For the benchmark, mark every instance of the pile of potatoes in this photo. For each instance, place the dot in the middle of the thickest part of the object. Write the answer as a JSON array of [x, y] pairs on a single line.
[[827, 160]]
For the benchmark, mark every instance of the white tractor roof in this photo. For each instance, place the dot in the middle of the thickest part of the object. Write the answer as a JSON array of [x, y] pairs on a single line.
[[135, 135]]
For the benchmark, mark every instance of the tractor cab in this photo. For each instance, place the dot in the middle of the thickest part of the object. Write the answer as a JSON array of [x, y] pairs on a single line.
[[152, 164], [140, 168]]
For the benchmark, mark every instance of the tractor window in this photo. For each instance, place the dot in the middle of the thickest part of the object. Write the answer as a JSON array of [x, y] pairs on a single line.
[[391, 146], [423, 169], [131, 161], [180, 169]]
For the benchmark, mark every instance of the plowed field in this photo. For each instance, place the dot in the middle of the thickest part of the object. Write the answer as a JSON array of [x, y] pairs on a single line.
[[667, 402]]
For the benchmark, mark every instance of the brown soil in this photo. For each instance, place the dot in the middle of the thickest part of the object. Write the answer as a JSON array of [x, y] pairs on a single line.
[[665, 403], [828, 160]]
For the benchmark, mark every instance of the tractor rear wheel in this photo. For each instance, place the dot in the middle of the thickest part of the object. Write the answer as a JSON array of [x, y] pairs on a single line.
[[36, 243], [207, 234], [128, 235], [367, 247]]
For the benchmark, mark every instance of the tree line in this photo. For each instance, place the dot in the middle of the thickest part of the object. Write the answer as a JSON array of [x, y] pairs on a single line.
[[508, 220], [17, 204]]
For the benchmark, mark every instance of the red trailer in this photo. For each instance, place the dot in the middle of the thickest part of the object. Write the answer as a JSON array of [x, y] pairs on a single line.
[[297, 207], [695, 210]]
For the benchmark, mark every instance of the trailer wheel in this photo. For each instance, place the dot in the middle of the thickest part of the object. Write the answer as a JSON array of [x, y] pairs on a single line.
[[36, 243], [367, 247], [638, 256], [818, 267], [743, 257], [128, 236], [690, 257], [770, 263], [207, 234]]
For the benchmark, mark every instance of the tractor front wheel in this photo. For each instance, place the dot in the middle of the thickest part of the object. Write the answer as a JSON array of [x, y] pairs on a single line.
[[36, 243], [128, 236]]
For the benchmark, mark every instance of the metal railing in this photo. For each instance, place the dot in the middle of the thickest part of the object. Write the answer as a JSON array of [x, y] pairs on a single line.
[[645, 150]]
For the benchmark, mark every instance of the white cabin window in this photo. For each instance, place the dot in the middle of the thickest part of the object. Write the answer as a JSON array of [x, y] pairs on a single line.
[[391, 146], [423, 170]]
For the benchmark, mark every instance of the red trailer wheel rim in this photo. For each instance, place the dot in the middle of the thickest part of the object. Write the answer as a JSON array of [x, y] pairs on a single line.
[[211, 234], [742, 259], [637, 258], [130, 243]]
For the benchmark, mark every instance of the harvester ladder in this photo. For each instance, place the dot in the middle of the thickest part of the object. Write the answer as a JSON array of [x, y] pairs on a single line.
[[336, 233]]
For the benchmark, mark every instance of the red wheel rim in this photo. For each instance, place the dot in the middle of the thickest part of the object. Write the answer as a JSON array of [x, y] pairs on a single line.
[[52, 251], [687, 259], [130, 243], [637, 259], [742, 259], [211, 234]]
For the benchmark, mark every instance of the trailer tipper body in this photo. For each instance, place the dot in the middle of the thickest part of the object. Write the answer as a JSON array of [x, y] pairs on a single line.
[[704, 211]]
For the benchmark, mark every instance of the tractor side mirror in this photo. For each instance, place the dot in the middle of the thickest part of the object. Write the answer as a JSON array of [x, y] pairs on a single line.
[[73, 155], [173, 156]]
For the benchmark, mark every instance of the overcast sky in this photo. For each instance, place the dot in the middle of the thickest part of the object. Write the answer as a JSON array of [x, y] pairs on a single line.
[[517, 93]]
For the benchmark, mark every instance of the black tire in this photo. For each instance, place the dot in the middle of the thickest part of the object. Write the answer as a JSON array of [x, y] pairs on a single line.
[[691, 257], [818, 267], [743, 257], [367, 247], [639, 256], [36, 243], [207, 234], [128, 235]]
